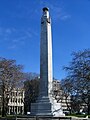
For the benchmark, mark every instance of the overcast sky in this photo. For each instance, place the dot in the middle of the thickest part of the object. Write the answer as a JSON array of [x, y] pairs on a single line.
[[20, 31]]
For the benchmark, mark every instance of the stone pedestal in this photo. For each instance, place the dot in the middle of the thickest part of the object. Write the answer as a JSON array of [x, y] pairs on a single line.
[[47, 107], [42, 107]]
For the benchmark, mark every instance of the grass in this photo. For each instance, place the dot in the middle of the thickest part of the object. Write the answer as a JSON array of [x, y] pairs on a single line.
[[9, 117]]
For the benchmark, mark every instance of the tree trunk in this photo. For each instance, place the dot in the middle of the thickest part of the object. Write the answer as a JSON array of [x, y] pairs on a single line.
[[3, 101], [68, 104], [3, 109], [89, 109]]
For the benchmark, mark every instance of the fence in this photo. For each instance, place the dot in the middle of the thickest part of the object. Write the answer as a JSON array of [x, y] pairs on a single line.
[[44, 118], [50, 118]]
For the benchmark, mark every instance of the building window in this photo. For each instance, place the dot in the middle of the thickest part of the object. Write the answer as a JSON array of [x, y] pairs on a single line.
[[16, 100]]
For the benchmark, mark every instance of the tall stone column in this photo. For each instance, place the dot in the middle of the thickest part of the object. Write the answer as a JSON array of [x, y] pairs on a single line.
[[45, 55], [46, 105], [17, 109], [9, 110], [22, 110], [14, 109], [43, 105]]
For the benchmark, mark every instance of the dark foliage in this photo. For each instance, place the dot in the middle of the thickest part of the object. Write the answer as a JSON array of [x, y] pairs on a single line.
[[31, 92], [77, 82], [10, 74]]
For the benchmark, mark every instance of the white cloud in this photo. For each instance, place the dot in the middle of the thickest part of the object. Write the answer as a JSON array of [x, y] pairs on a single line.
[[20, 37], [8, 31], [64, 17], [12, 47], [28, 33]]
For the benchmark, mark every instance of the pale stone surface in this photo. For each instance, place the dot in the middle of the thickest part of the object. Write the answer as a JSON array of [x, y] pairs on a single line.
[[45, 55], [56, 108]]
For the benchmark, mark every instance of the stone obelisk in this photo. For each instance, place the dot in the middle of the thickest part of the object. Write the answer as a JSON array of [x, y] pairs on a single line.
[[46, 55], [45, 104]]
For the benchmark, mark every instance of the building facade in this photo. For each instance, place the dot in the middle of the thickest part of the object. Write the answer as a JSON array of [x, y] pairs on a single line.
[[0, 104], [16, 102], [62, 98]]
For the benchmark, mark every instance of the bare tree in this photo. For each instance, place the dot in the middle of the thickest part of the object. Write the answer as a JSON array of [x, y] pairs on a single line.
[[61, 95], [79, 77], [9, 77], [31, 92]]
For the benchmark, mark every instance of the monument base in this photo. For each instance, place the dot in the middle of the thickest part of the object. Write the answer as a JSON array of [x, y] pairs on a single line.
[[46, 107], [42, 107]]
